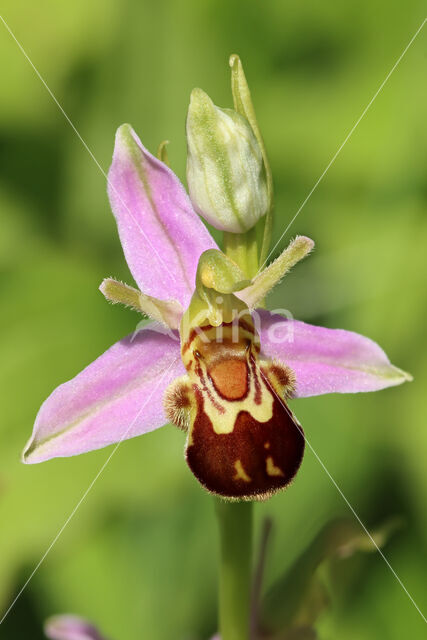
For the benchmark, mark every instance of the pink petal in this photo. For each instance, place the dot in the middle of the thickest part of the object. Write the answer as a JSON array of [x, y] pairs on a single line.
[[69, 627], [118, 396], [327, 360], [161, 235]]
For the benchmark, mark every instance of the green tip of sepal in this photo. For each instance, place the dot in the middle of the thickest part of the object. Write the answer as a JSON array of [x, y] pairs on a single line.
[[125, 142], [401, 376], [125, 134]]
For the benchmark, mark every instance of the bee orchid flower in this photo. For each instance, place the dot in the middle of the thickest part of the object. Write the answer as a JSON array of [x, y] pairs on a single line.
[[229, 392]]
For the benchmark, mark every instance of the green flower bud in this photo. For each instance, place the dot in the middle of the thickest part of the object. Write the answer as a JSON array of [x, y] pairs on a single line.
[[225, 168]]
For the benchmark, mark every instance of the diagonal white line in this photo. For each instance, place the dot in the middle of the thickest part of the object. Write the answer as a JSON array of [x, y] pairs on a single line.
[[85, 145], [347, 138], [322, 464], [84, 496], [331, 162], [90, 152]]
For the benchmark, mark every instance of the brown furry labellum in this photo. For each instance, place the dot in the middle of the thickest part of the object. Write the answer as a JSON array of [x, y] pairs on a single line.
[[243, 440]]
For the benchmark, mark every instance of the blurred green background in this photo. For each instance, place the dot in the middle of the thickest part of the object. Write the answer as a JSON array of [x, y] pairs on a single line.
[[139, 556]]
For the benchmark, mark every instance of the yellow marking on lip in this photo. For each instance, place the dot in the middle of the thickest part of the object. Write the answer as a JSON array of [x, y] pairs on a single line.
[[272, 470], [224, 404], [240, 472], [267, 446], [222, 412]]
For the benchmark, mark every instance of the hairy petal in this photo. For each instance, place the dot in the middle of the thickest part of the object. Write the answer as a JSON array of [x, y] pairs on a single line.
[[161, 235], [168, 312], [69, 627], [327, 360], [118, 396], [298, 249]]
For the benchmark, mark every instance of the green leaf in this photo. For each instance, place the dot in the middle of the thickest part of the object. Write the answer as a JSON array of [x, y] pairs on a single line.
[[300, 595]]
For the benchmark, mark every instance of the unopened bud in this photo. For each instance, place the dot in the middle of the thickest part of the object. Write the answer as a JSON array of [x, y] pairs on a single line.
[[225, 168]]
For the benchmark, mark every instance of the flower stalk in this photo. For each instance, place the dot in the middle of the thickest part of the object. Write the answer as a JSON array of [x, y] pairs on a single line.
[[243, 249], [235, 568], [235, 519]]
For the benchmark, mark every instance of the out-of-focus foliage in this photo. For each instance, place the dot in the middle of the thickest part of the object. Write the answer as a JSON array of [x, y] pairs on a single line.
[[299, 596], [137, 558]]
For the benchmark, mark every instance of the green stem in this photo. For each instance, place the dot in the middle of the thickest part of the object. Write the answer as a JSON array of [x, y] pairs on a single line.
[[243, 249], [266, 241], [235, 568]]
